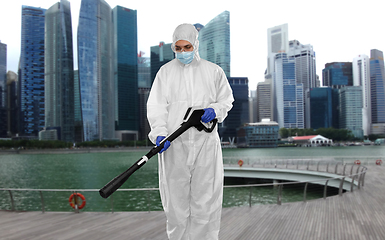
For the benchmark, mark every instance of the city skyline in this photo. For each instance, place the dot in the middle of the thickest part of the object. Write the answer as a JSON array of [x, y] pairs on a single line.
[[340, 37]]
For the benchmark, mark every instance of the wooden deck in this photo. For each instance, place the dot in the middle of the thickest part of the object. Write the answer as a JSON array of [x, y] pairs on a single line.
[[356, 215]]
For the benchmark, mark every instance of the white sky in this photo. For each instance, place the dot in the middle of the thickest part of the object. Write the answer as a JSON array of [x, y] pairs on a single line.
[[339, 30]]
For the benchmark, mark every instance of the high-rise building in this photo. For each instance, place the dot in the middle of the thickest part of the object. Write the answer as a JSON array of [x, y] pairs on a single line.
[[214, 41], [126, 68], [337, 74], [160, 55], [59, 71], [277, 42], [264, 100], [77, 109], [321, 108], [12, 107], [144, 86], [288, 102], [3, 89], [305, 71], [351, 109], [361, 77], [31, 72], [239, 114], [96, 69], [377, 86]]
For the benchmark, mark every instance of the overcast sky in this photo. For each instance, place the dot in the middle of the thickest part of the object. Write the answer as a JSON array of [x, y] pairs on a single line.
[[339, 30]]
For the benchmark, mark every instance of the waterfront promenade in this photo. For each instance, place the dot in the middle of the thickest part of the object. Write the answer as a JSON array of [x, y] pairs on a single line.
[[354, 215]]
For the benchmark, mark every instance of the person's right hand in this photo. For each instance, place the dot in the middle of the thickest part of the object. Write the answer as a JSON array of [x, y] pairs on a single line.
[[166, 144]]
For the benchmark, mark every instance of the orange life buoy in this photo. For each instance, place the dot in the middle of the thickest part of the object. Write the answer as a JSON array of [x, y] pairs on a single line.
[[72, 201], [358, 162], [378, 161], [240, 162]]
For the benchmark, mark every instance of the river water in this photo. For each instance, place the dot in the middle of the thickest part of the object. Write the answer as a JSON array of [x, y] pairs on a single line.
[[94, 170]]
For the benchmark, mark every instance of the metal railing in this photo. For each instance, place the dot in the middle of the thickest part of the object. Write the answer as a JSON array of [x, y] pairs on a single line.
[[355, 173]]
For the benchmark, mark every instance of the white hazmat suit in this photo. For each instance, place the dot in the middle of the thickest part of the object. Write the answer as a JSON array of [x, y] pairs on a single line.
[[191, 170]]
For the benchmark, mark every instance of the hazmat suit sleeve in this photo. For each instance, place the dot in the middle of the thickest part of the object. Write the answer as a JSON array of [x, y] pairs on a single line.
[[157, 108], [224, 99]]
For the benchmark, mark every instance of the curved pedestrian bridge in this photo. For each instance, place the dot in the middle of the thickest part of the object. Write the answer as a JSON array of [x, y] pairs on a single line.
[[292, 175], [353, 215]]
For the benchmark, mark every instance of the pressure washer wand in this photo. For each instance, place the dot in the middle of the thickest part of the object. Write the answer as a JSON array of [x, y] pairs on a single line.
[[192, 119]]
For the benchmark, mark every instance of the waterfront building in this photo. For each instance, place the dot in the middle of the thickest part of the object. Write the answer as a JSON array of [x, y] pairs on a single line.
[[160, 55], [262, 134], [3, 89], [253, 106], [214, 41], [351, 110], [305, 71], [144, 86], [337, 74], [126, 71], [77, 109], [59, 72], [377, 88], [12, 106], [96, 69], [323, 113], [361, 77], [31, 72], [288, 101], [264, 100], [239, 114], [312, 140]]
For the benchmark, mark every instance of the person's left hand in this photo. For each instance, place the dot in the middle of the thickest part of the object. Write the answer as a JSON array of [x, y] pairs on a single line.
[[209, 115]]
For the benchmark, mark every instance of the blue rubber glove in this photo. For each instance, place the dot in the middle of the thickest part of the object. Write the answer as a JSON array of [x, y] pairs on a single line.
[[209, 115], [166, 144]]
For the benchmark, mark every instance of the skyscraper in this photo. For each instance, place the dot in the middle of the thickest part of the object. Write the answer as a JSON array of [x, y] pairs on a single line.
[[31, 72], [305, 71], [321, 101], [277, 42], [351, 109], [337, 74], [12, 107], [59, 71], [126, 68], [160, 55], [377, 86], [3, 89], [264, 100], [96, 69], [288, 94], [361, 77], [214, 41], [239, 114]]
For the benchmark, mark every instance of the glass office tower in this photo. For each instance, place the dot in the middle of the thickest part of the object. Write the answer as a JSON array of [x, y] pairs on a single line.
[[289, 107], [126, 68], [31, 72], [3, 90], [59, 73], [337, 74], [321, 106], [239, 114], [96, 69], [214, 41], [160, 55], [377, 86], [351, 110]]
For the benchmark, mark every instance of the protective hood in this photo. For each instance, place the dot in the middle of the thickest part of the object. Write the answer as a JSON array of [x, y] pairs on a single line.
[[188, 33]]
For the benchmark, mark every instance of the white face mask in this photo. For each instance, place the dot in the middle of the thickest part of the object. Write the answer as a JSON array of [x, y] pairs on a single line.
[[185, 57]]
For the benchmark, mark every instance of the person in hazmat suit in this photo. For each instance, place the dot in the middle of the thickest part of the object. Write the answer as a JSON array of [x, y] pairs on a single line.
[[191, 170]]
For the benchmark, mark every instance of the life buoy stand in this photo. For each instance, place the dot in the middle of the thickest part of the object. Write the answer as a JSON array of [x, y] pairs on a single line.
[[357, 162], [240, 162], [378, 162], [72, 200]]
